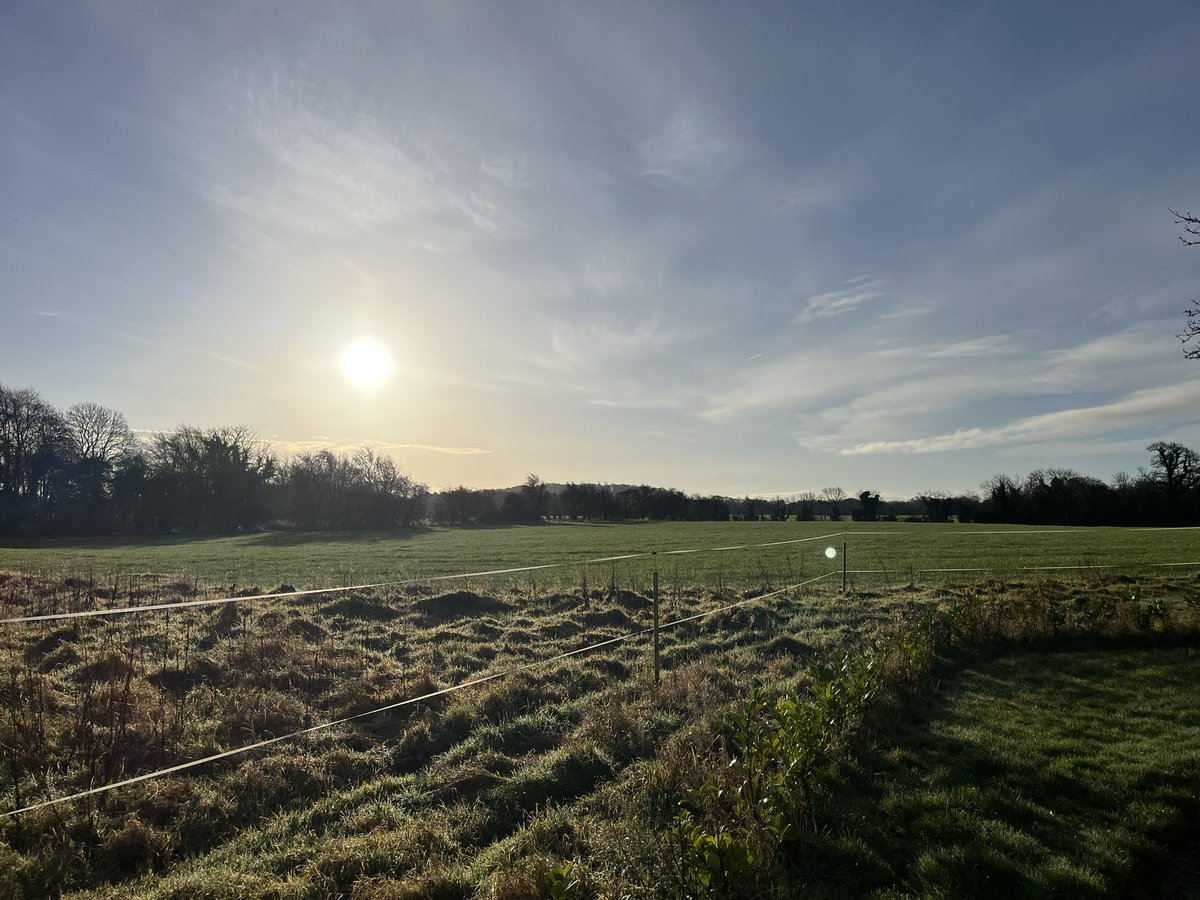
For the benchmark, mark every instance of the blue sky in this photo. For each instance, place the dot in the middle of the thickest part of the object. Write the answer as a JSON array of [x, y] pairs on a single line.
[[736, 248]]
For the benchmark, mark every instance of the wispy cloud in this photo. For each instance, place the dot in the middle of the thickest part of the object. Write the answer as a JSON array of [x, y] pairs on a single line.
[[808, 195], [689, 150], [910, 312], [858, 291], [327, 165], [1076, 448], [322, 442], [1155, 404], [125, 333], [593, 342], [672, 436], [989, 345], [433, 448], [894, 396], [347, 446]]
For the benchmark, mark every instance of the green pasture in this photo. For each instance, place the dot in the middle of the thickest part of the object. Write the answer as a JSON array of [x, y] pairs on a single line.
[[1061, 774], [894, 553]]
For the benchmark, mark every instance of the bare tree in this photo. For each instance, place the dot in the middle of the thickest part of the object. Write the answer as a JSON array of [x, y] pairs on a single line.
[[1191, 329], [833, 497], [1174, 466], [535, 493], [35, 457], [1122, 481], [99, 434]]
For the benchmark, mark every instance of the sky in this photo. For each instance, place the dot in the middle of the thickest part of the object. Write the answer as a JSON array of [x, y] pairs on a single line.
[[725, 247]]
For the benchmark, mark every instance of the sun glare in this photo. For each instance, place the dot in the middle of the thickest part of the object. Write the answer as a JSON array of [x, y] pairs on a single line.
[[366, 362]]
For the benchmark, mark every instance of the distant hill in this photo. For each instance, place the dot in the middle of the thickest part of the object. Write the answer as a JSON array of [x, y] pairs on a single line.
[[555, 487]]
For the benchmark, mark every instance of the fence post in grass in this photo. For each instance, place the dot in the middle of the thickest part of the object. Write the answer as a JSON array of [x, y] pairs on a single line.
[[843, 567], [654, 597]]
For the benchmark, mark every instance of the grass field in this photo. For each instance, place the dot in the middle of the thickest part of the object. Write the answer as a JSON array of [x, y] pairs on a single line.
[[1068, 774], [583, 760], [897, 552]]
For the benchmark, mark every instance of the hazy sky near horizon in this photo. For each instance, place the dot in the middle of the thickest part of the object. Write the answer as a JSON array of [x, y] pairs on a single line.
[[735, 248]]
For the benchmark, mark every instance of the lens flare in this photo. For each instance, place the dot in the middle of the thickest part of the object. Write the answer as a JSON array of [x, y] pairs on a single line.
[[830, 552]]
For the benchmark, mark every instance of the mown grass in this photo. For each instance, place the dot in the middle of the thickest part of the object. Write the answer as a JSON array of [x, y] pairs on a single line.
[[900, 550], [1061, 774]]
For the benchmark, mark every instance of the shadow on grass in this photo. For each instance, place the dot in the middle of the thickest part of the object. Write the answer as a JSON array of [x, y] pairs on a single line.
[[364, 536], [1033, 775], [246, 539], [109, 542]]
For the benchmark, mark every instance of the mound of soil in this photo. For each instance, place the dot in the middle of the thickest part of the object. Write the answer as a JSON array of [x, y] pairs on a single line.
[[306, 629], [562, 601], [109, 667], [609, 668], [52, 641], [459, 604], [630, 600], [786, 645], [560, 630], [201, 670], [614, 617], [360, 607], [755, 618]]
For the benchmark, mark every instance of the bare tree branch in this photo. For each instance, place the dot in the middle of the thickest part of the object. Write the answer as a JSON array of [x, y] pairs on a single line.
[[1191, 226], [1191, 330]]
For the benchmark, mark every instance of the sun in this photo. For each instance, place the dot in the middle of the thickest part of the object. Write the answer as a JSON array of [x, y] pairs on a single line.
[[366, 362]]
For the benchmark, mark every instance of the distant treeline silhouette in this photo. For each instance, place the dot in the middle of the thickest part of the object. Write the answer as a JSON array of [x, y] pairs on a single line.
[[85, 472]]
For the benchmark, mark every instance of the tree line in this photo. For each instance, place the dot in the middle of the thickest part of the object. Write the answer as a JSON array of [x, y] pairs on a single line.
[[84, 471]]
